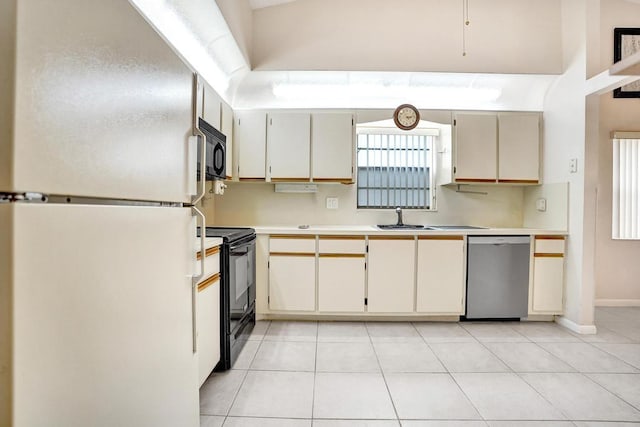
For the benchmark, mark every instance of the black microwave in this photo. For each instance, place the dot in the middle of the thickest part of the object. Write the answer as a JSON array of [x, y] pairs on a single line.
[[216, 159]]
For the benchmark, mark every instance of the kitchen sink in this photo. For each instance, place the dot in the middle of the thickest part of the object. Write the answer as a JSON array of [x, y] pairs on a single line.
[[403, 227]]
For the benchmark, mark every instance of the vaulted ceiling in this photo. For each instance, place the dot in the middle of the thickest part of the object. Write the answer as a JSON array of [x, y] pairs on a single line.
[[369, 53]]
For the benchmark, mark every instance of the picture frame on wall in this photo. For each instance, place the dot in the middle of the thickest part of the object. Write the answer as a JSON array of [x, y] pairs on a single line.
[[626, 42]]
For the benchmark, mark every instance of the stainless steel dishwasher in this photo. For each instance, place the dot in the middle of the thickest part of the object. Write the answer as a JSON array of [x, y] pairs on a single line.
[[497, 277]]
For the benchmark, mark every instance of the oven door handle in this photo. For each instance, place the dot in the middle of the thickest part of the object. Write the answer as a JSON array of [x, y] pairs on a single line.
[[237, 249], [233, 251]]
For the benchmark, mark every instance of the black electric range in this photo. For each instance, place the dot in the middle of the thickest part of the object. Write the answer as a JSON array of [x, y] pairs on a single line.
[[229, 234], [237, 290]]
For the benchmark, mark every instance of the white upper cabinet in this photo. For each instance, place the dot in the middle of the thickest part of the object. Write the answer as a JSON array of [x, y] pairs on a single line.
[[476, 143], [519, 148], [250, 134], [496, 148], [289, 146], [211, 106], [332, 136], [226, 125]]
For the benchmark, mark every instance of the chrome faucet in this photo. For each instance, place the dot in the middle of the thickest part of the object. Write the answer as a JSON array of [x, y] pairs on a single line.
[[399, 212]]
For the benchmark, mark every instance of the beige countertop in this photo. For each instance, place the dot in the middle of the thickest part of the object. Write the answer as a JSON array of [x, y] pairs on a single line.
[[373, 230], [209, 242]]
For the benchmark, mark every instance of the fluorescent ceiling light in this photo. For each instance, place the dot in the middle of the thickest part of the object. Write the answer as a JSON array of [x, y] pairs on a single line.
[[259, 4], [362, 91], [198, 31]]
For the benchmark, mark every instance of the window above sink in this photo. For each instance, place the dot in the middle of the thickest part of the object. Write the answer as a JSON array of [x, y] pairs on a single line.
[[396, 168]]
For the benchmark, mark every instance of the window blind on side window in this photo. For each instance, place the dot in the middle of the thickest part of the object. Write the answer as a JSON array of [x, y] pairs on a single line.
[[626, 187], [395, 170]]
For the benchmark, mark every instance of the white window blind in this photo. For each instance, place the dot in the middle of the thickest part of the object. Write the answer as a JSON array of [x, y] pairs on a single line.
[[395, 170], [626, 186]]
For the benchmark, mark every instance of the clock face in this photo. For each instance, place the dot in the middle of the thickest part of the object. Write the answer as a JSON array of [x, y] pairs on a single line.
[[406, 117]]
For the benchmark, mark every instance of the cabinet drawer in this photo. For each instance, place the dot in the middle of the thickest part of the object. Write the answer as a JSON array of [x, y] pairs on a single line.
[[211, 261], [549, 245], [208, 281], [292, 244], [341, 245]]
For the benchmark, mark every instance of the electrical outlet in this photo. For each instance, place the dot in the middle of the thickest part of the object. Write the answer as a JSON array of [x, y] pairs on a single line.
[[541, 205], [573, 165], [332, 203]]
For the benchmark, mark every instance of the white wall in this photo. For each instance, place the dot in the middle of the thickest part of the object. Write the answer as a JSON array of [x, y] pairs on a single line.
[[7, 64], [564, 137], [505, 36], [556, 197], [208, 204], [257, 204], [616, 267]]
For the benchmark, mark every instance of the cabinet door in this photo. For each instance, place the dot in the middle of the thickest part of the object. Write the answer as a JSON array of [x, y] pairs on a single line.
[[289, 146], [476, 144], [211, 107], [519, 147], [292, 282], [441, 278], [548, 270], [332, 141], [250, 133], [341, 283], [208, 326], [226, 126], [391, 275]]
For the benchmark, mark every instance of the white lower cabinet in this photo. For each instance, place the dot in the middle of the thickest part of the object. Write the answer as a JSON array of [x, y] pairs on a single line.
[[208, 314], [441, 275], [292, 273], [292, 282], [208, 321], [391, 274], [341, 281], [341, 273], [396, 274], [547, 285]]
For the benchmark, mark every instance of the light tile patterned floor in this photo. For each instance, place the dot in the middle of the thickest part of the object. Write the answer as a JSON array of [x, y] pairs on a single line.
[[422, 374]]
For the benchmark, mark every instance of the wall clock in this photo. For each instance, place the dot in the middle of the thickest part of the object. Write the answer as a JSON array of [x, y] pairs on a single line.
[[406, 117]]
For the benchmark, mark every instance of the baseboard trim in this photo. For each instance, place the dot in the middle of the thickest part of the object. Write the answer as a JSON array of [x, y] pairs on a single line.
[[575, 327], [617, 303]]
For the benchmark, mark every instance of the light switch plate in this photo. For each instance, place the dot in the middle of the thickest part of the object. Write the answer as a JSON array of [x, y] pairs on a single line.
[[573, 166], [541, 205], [332, 203]]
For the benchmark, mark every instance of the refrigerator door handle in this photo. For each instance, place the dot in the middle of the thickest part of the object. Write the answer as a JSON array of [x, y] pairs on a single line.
[[201, 139], [203, 236], [196, 278]]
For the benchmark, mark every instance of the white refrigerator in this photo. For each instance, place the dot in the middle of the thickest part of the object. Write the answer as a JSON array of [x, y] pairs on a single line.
[[95, 283]]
